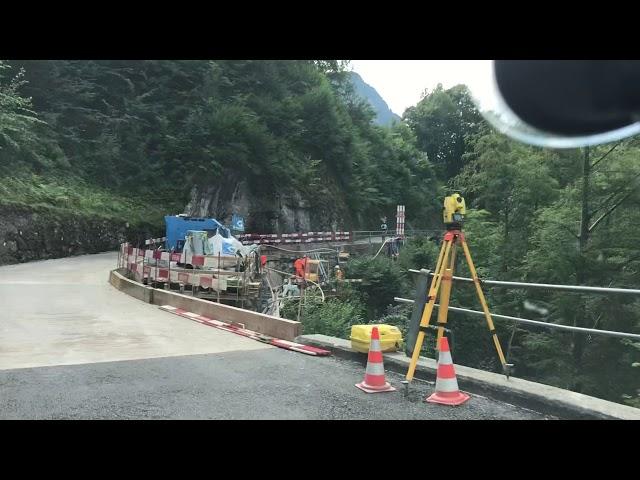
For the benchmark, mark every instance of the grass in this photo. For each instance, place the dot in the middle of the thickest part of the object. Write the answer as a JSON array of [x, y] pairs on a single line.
[[73, 195]]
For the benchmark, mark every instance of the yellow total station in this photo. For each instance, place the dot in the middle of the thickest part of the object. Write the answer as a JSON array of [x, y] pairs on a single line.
[[454, 210]]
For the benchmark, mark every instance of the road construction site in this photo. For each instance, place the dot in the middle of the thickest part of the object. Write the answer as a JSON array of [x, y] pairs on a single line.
[[73, 346], [79, 348], [181, 327]]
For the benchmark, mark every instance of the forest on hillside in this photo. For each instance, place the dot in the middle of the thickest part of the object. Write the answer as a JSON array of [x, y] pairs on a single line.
[[153, 130], [127, 140]]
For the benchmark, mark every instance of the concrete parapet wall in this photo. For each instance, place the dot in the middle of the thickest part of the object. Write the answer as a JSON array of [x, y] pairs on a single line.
[[266, 324], [134, 289]]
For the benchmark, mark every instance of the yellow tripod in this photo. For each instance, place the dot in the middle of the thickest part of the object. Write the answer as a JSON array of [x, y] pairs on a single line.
[[443, 278]]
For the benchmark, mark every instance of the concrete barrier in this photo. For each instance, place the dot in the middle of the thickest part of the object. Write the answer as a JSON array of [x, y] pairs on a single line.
[[135, 289], [536, 396], [258, 322]]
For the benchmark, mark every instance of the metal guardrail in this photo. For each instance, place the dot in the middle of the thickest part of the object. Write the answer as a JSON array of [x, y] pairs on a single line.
[[578, 288], [329, 236], [609, 333], [293, 238], [547, 286], [378, 233], [368, 234]]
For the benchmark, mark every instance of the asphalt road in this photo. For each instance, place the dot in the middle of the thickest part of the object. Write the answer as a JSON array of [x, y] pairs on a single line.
[[73, 347], [258, 384]]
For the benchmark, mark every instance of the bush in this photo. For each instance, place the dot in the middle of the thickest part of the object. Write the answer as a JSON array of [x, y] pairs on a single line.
[[333, 317], [419, 252], [397, 315], [382, 279]]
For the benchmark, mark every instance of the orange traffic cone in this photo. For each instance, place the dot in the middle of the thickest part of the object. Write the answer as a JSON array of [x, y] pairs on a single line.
[[374, 381], [447, 392]]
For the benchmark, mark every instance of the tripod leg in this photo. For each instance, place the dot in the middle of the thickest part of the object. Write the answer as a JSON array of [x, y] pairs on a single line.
[[428, 310], [483, 301], [445, 294], [438, 265]]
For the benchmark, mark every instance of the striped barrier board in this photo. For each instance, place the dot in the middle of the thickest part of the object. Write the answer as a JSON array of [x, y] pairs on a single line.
[[151, 241], [240, 330], [159, 274], [306, 237], [132, 253], [163, 275], [205, 281], [251, 236], [400, 219], [143, 264]]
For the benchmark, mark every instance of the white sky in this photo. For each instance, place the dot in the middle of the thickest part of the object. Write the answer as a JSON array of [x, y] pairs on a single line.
[[401, 82]]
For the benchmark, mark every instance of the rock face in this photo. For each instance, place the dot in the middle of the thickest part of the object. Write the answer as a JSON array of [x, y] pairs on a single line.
[[27, 235], [263, 213], [31, 234]]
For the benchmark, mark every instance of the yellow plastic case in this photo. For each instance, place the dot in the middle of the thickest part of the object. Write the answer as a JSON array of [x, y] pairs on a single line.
[[390, 337]]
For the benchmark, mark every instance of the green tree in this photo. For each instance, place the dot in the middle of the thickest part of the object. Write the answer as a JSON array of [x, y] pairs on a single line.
[[511, 181], [18, 122], [442, 121], [139, 126]]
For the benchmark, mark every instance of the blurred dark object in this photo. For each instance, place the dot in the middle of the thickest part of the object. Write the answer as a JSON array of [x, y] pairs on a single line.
[[572, 97]]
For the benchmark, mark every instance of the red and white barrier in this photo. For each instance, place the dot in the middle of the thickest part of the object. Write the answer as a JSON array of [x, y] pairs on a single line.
[[196, 279], [400, 221], [239, 330], [306, 237], [138, 261], [152, 241]]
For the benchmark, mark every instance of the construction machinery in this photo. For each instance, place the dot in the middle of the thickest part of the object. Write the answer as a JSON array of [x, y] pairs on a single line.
[[310, 269], [205, 247], [202, 236], [178, 226]]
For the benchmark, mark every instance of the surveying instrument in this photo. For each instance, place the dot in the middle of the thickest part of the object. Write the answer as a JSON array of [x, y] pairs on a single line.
[[453, 212]]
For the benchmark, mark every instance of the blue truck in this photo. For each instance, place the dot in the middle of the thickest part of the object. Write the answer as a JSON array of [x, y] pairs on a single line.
[[179, 225]]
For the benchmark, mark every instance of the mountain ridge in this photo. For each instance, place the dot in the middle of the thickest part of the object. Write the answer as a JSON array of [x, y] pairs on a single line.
[[384, 115]]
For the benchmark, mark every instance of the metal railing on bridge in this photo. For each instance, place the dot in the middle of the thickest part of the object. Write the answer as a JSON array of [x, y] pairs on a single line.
[[422, 292], [328, 236], [292, 238], [371, 234]]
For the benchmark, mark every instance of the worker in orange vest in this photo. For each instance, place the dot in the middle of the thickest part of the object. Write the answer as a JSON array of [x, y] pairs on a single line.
[[300, 266]]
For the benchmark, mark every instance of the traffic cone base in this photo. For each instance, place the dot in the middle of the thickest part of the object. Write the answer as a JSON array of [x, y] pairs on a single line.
[[447, 392], [373, 389], [448, 398], [374, 380]]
